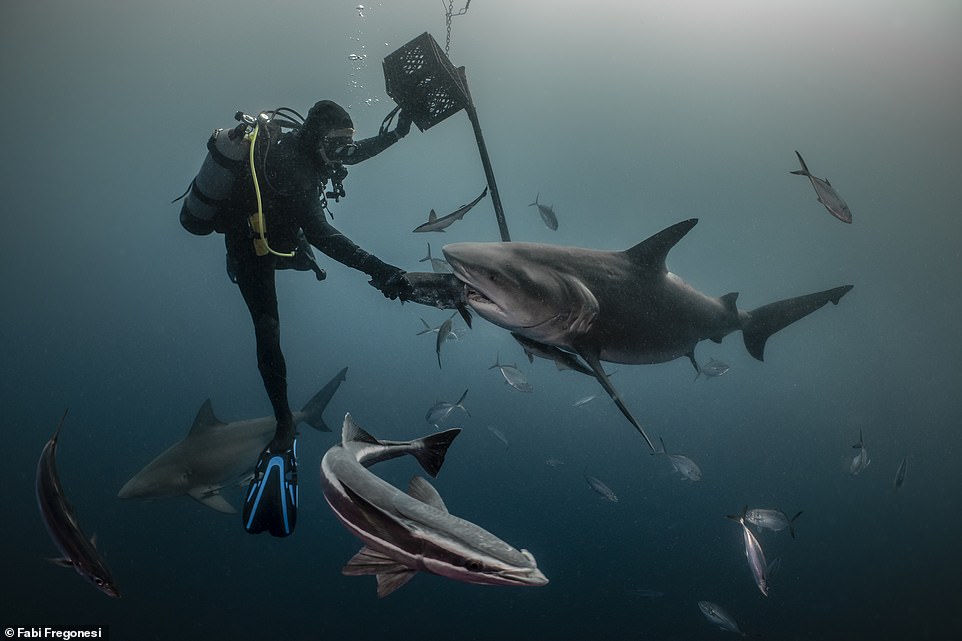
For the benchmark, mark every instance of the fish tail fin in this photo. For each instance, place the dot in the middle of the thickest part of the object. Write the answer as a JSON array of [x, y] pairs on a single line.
[[460, 403], [804, 170], [433, 448], [759, 324], [535, 203], [791, 523], [313, 410]]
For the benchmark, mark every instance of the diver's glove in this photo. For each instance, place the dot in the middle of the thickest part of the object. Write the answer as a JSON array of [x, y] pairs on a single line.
[[391, 282], [403, 125]]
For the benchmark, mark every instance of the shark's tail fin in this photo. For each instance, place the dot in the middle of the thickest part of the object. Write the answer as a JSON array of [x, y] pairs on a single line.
[[433, 449], [761, 323], [313, 411]]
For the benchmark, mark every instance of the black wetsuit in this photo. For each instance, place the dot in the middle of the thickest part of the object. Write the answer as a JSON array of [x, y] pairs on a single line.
[[292, 182]]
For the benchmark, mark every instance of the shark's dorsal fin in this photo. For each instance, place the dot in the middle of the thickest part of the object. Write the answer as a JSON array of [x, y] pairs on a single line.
[[432, 218], [205, 419], [651, 252], [354, 432], [423, 491]]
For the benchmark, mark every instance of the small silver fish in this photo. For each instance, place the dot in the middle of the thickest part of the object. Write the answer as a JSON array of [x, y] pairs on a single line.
[[754, 553], [553, 462], [441, 410], [500, 435], [826, 194], [547, 213], [712, 369], [861, 460], [603, 490], [900, 475], [714, 613], [774, 520], [438, 265], [584, 400], [512, 376], [682, 464]]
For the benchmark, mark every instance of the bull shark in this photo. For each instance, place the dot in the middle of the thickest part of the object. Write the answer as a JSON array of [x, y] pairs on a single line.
[[404, 533], [616, 306], [215, 454]]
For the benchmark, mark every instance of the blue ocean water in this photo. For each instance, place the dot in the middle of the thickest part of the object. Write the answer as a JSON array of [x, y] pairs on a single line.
[[627, 117]]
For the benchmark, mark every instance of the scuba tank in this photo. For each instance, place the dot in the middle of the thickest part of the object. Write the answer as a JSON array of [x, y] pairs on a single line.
[[224, 167]]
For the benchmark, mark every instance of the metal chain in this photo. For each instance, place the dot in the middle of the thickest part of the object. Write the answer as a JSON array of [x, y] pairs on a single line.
[[449, 14]]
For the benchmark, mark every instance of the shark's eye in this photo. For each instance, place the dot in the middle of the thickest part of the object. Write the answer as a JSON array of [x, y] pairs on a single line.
[[474, 565]]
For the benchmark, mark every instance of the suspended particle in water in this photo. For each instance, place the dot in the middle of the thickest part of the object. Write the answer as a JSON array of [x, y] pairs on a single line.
[[360, 10]]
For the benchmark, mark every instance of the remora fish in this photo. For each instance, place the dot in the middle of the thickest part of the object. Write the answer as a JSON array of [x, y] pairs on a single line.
[[79, 551], [617, 306], [826, 193], [407, 533], [601, 488], [215, 454], [900, 475], [547, 213], [861, 460], [438, 265], [712, 369], [754, 554], [512, 375], [562, 359], [438, 224], [714, 613], [682, 464], [441, 410], [774, 520]]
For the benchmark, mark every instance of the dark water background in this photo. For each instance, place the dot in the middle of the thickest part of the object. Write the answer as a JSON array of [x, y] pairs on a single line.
[[628, 117]]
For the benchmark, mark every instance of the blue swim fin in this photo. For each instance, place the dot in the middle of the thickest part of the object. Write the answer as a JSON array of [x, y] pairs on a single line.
[[271, 500]]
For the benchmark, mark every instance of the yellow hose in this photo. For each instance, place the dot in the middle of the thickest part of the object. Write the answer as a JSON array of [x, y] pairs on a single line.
[[257, 221]]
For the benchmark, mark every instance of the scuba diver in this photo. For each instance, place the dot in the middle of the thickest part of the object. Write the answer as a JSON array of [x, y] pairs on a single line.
[[282, 176]]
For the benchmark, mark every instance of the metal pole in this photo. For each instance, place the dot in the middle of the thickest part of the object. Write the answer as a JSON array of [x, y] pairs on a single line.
[[485, 161]]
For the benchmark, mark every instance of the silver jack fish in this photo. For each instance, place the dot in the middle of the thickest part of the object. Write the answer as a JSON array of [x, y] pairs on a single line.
[[714, 613], [441, 410], [547, 213], [774, 520], [404, 533], [826, 194], [861, 460], [754, 553], [79, 551]]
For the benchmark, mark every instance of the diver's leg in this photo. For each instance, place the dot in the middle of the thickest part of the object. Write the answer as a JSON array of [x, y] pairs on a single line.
[[271, 500], [256, 281]]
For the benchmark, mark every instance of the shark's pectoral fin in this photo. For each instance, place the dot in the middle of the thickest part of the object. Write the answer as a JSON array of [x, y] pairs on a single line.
[[595, 363], [63, 562], [390, 574], [214, 500]]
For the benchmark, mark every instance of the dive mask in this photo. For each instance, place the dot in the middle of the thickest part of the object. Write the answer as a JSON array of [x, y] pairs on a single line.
[[337, 145]]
